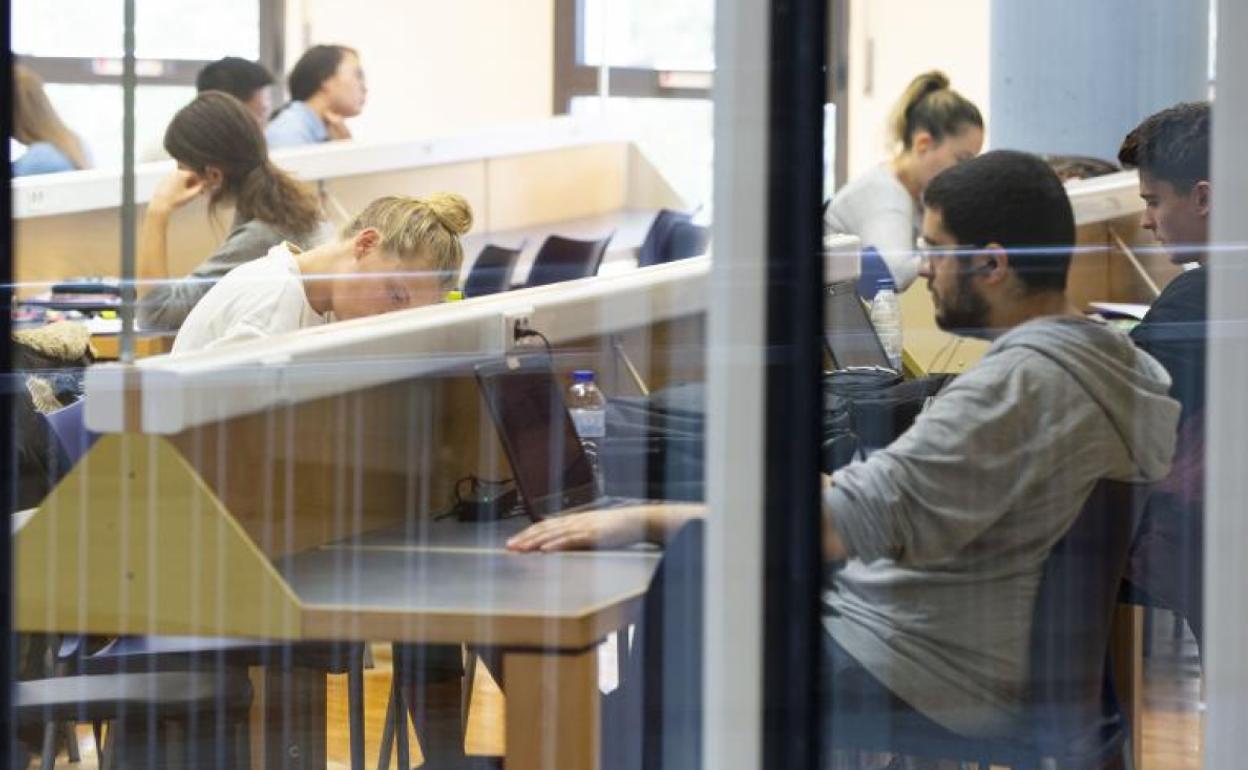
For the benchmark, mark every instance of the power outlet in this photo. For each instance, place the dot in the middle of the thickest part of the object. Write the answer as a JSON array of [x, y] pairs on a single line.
[[511, 320]]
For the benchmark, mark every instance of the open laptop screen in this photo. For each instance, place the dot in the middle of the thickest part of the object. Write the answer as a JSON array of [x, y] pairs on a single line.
[[848, 333], [538, 435]]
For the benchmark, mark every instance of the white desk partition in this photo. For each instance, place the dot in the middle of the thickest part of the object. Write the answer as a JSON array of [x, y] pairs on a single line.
[[52, 194], [1105, 198], [180, 392]]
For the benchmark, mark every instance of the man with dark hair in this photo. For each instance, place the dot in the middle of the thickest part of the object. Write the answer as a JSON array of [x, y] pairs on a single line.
[[245, 80], [1171, 151], [947, 529]]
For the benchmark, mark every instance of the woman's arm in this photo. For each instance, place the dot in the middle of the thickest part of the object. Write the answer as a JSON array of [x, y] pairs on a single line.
[[173, 192]]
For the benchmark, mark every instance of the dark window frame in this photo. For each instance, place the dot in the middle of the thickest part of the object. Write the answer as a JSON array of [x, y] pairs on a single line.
[[173, 72]]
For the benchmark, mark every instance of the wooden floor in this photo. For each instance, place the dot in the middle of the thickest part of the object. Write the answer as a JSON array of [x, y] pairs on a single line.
[[1172, 719]]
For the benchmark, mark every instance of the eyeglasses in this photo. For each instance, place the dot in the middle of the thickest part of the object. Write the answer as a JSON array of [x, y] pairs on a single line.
[[927, 250]]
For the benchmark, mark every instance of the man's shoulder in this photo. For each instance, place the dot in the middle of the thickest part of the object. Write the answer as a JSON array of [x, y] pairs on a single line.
[[1185, 299]]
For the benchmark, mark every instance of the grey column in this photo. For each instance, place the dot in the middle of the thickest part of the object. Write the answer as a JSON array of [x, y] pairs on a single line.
[[1074, 76]]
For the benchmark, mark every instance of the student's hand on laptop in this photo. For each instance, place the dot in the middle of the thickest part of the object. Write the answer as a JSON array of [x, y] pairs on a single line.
[[610, 528]]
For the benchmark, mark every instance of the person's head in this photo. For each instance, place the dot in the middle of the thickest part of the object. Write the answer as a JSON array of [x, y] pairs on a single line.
[[35, 120], [245, 80], [1171, 151], [999, 230], [216, 138], [333, 74], [406, 253], [933, 127]]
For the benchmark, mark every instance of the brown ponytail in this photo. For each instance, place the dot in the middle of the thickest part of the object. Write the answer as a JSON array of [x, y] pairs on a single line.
[[217, 130], [929, 104]]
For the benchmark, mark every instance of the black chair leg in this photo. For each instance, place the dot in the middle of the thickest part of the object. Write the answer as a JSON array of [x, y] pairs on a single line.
[[47, 756], [355, 704], [387, 731], [71, 741]]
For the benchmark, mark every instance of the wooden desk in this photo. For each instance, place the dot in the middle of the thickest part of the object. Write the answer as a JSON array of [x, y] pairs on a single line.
[[423, 582]]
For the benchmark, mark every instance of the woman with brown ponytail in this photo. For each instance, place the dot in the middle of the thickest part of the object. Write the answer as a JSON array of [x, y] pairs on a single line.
[[221, 153], [932, 127]]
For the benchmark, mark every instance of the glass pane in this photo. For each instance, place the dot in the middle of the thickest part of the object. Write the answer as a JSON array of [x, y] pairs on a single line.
[[94, 112], [165, 29], [655, 34], [675, 134]]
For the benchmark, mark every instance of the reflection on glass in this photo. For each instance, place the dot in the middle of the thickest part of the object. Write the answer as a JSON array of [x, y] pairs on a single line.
[[658, 34]]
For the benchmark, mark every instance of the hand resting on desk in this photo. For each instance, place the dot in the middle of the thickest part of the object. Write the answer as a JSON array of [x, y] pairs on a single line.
[[611, 528]]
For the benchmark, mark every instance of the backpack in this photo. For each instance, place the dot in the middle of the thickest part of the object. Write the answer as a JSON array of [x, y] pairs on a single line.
[[865, 409]]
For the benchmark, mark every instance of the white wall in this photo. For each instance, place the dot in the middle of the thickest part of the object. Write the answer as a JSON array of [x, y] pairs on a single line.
[[891, 41], [437, 67]]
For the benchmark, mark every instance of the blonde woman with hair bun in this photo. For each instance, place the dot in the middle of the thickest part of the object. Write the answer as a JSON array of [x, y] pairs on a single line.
[[931, 128], [398, 253]]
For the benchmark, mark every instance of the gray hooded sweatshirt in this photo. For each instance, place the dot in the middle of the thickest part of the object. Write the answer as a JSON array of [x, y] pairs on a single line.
[[950, 525]]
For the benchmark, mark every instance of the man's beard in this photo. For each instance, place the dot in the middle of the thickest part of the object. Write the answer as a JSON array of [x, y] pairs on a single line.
[[965, 313]]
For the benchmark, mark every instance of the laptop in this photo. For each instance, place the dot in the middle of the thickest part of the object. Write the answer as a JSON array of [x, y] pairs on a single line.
[[550, 467], [850, 338]]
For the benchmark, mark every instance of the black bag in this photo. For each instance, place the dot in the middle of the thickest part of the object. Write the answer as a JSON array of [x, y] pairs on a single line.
[[867, 409], [656, 445]]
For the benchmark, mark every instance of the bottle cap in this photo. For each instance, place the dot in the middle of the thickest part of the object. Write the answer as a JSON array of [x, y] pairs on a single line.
[[583, 375], [454, 295]]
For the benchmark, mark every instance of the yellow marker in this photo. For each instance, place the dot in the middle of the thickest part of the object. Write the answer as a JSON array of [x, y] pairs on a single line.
[[454, 295], [110, 314]]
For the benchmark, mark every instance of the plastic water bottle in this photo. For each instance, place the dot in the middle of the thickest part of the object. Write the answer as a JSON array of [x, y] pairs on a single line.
[[886, 318], [589, 412]]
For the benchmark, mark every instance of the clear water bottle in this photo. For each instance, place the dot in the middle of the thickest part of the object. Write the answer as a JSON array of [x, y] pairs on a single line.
[[886, 318], [589, 412]]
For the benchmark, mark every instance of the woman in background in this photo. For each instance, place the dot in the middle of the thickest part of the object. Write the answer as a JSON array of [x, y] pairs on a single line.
[[399, 253], [221, 153], [326, 87], [50, 146], [932, 128]]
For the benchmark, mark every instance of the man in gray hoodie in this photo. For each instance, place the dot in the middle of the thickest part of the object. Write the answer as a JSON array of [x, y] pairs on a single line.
[[947, 529]]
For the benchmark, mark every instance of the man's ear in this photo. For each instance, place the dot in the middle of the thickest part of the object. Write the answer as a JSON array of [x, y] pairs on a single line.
[[992, 263], [1201, 197], [365, 241]]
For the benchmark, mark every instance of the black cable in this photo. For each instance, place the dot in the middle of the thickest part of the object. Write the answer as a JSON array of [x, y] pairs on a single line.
[[523, 332]]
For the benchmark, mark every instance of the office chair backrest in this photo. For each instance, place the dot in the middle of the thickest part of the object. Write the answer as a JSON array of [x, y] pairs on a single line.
[[1074, 710], [492, 271], [686, 240], [657, 237], [564, 259]]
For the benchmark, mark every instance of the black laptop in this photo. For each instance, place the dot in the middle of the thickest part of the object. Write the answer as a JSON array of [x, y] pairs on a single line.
[[848, 334], [550, 467]]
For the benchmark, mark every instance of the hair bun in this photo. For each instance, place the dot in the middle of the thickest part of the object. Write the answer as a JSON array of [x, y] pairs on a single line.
[[451, 210]]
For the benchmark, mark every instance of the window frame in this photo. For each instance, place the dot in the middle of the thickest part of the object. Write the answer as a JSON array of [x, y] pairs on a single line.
[[90, 70], [573, 78]]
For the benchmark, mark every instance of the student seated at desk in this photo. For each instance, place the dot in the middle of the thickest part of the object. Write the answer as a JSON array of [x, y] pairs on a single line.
[[50, 146], [245, 80], [1171, 151], [947, 530], [326, 87], [398, 253], [933, 127], [220, 152]]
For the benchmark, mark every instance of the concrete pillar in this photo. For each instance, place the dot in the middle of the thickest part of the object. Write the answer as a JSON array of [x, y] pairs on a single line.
[[1074, 76]]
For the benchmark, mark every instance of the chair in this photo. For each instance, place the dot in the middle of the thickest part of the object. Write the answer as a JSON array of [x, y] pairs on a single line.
[[211, 715], [492, 271], [1074, 717], [564, 259], [660, 693], [686, 240], [654, 246]]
